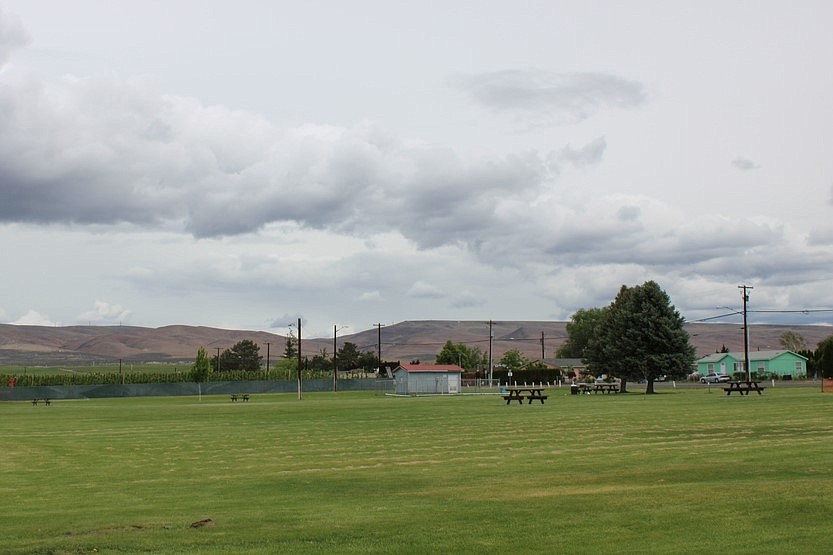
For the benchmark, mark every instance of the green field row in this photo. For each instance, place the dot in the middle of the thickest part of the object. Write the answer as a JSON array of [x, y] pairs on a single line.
[[682, 471]]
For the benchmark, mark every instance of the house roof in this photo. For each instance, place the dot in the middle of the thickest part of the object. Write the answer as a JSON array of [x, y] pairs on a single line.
[[753, 355], [430, 368]]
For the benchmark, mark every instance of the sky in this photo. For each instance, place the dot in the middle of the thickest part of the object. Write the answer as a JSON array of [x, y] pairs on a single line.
[[245, 164]]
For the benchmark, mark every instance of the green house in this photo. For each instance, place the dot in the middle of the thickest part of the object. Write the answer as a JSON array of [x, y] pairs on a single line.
[[782, 363]]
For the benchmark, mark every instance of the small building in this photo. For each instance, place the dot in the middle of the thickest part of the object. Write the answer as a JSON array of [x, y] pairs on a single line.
[[783, 363], [420, 379]]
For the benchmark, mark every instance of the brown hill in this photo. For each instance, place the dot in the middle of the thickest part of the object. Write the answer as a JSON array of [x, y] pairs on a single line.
[[406, 341]]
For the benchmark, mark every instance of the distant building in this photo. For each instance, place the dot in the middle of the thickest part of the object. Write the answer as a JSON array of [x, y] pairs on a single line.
[[782, 363], [416, 379]]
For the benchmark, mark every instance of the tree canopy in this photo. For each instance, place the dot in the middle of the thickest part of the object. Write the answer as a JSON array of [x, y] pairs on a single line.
[[244, 355], [580, 330], [641, 336], [824, 357], [793, 341], [202, 366], [469, 358]]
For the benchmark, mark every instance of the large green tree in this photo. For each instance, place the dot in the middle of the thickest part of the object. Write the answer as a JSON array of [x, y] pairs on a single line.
[[244, 355], [580, 331], [641, 336]]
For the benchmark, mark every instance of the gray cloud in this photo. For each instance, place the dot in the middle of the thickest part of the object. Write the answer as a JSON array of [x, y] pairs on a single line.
[[744, 164], [589, 155], [539, 97], [13, 35]]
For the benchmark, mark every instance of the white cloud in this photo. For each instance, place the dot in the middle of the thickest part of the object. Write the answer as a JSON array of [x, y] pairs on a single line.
[[369, 296], [34, 318], [103, 312]]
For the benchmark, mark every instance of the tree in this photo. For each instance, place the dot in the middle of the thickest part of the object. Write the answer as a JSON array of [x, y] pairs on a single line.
[[580, 330], [244, 355], [641, 336], [466, 357], [513, 360], [824, 357], [202, 366], [792, 341], [291, 350], [348, 356]]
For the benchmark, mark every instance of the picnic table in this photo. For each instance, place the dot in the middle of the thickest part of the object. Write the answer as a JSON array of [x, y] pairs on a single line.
[[517, 394], [598, 387], [235, 396], [743, 388]]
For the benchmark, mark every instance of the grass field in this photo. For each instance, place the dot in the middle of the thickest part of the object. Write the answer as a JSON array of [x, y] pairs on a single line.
[[685, 471]]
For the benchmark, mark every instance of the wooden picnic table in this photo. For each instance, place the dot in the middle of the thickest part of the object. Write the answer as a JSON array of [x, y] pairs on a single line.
[[743, 388], [598, 387], [517, 394]]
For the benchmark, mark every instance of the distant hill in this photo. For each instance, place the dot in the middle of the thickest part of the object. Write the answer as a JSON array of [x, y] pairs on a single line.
[[405, 341]]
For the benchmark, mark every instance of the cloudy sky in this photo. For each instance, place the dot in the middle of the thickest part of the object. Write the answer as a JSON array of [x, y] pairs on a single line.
[[242, 164]]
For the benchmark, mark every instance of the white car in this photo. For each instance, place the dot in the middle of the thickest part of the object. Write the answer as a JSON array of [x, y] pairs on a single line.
[[715, 378]]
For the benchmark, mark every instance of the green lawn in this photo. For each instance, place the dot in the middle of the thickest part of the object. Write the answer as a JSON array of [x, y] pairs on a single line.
[[681, 471]]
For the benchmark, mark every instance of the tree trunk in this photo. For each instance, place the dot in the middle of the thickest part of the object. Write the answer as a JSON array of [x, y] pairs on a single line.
[[623, 386], [650, 387]]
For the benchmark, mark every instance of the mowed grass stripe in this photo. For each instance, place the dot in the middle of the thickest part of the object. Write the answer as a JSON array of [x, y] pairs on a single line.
[[361, 473]]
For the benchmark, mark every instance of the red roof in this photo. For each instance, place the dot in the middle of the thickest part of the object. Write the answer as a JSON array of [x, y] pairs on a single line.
[[430, 368]]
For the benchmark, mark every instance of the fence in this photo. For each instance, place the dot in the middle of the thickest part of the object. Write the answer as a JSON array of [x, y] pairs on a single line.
[[188, 388]]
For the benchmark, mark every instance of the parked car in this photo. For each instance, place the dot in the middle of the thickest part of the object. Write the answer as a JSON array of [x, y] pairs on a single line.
[[715, 378]]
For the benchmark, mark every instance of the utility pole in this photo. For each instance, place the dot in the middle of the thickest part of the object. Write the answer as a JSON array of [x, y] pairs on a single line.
[[542, 346], [267, 360], [335, 356], [379, 345], [218, 360], [490, 352], [745, 295], [299, 359]]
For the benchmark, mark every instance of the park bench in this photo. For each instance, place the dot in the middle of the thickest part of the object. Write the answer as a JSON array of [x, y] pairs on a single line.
[[244, 397], [46, 402]]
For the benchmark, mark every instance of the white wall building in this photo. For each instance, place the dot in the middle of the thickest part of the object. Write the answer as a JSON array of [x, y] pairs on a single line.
[[414, 379]]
